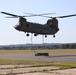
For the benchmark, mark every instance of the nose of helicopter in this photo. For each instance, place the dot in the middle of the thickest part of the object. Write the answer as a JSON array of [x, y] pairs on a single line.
[[17, 27]]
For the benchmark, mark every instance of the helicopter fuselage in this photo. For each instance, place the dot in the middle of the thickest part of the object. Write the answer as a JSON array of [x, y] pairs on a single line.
[[36, 28]]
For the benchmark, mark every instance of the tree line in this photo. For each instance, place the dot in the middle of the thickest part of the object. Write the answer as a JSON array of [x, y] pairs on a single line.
[[56, 46]]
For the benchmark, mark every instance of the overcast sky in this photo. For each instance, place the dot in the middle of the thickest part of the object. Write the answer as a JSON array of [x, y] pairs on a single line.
[[67, 26]]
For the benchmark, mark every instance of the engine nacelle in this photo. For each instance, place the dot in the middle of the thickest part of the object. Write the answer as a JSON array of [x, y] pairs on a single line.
[[53, 22]]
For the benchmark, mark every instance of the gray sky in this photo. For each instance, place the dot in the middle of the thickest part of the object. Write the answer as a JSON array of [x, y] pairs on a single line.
[[67, 26]]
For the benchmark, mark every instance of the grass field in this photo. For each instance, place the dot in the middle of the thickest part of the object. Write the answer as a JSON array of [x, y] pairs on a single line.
[[57, 51], [29, 63]]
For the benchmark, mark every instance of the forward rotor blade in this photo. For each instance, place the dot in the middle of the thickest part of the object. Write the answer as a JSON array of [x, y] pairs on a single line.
[[11, 17], [10, 14], [66, 16]]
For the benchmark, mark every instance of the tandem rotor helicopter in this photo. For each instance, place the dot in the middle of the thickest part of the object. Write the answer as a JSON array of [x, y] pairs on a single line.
[[49, 28]]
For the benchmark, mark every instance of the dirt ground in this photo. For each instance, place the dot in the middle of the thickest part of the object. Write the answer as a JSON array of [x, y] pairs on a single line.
[[66, 72], [5, 69], [58, 72]]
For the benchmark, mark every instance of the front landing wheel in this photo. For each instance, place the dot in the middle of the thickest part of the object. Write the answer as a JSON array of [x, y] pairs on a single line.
[[54, 36]]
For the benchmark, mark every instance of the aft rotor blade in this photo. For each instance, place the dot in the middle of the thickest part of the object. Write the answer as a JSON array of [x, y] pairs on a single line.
[[31, 14], [45, 14], [60, 16], [10, 14], [66, 16]]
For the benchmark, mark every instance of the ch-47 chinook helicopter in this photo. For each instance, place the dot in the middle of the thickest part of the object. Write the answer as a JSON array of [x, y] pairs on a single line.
[[50, 28]]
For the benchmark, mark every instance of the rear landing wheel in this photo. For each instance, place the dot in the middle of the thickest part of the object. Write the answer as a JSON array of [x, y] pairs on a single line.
[[35, 34], [27, 34], [54, 36], [45, 36]]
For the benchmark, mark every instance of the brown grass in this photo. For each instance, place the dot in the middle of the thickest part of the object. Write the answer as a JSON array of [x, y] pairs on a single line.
[[56, 51]]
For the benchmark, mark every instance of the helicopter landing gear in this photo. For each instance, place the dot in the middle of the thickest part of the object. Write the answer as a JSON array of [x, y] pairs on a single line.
[[27, 34], [45, 36], [54, 36], [35, 34]]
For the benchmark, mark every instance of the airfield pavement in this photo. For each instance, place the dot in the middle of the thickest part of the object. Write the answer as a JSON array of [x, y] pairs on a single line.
[[51, 58]]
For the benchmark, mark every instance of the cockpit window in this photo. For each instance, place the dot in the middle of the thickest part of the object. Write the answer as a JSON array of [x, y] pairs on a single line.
[[21, 19], [18, 23]]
